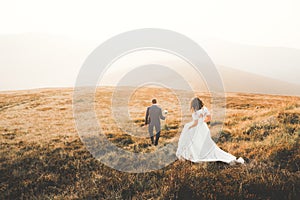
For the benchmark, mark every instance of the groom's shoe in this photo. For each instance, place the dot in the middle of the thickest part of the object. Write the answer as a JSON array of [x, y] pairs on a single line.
[[156, 141], [152, 140], [157, 138]]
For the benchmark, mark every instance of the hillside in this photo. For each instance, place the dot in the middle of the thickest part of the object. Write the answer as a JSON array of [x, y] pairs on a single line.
[[42, 156]]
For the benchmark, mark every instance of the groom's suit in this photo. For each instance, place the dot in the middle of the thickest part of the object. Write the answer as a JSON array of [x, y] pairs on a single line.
[[153, 116]]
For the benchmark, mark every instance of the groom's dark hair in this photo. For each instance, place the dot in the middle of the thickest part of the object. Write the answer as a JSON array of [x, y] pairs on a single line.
[[154, 101]]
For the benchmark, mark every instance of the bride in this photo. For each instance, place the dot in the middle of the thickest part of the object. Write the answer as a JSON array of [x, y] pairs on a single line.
[[195, 143]]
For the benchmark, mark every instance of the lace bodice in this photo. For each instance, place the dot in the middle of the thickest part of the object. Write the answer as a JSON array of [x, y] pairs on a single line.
[[197, 115]]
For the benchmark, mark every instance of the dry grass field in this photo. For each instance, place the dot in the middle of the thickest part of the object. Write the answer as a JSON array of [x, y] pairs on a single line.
[[42, 156]]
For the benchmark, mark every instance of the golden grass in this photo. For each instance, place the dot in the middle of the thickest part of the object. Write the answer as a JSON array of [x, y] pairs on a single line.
[[42, 156]]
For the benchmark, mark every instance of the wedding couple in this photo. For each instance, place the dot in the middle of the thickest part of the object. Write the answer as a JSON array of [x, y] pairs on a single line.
[[195, 143]]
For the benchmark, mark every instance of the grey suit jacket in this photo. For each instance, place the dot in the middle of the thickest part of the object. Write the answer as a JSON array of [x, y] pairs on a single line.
[[153, 115]]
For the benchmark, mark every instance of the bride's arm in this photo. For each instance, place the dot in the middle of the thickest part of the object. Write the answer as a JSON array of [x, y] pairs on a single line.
[[207, 118], [194, 124], [207, 115]]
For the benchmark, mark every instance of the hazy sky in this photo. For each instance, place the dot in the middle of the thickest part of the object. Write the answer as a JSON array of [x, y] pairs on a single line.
[[254, 22], [261, 22]]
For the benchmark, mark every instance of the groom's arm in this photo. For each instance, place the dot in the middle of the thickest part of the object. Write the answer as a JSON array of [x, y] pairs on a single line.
[[147, 117], [161, 115]]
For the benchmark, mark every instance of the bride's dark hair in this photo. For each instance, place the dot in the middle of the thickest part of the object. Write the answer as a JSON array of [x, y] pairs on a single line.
[[196, 104]]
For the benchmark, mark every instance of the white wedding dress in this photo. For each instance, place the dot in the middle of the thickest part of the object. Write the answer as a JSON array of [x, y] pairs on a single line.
[[196, 145]]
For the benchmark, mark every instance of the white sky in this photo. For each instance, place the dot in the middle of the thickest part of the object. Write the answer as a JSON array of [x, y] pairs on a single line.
[[259, 22], [254, 22]]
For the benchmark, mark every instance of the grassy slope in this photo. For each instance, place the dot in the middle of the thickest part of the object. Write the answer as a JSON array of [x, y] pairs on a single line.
[[41, 155]]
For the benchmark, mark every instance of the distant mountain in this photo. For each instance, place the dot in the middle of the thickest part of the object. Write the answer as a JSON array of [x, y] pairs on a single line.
[[37, 60], [240, 81], [40, 60], [233, 81], [277, 62]]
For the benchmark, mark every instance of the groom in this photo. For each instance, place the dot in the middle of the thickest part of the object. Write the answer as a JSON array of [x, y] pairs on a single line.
[[153, 116]]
